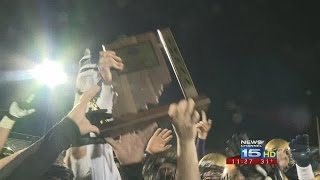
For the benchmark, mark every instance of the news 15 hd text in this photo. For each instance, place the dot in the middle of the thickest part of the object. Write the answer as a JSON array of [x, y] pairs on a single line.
[[253, 152]]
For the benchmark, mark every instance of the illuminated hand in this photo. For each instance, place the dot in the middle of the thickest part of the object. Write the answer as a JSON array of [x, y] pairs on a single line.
[[107, 61], [18, 111], [184, 119], [77, 114], [204, 126], [129, 149], [159, 141]]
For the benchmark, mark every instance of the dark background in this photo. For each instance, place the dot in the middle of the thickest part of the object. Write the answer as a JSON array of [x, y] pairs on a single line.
[[257, 60]]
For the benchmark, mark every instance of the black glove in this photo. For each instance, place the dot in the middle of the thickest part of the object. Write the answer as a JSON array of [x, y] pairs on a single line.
[[300, 150], [98, 115]]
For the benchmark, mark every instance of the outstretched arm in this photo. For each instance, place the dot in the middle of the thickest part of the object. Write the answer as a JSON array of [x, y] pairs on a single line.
[[89, 75], [4, 132], [303, 156], [184, 119], [15, 112], [35, 160], [203, 128]]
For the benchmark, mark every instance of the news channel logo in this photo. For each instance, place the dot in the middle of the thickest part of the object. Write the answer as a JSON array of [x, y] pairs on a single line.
[[255, 149]]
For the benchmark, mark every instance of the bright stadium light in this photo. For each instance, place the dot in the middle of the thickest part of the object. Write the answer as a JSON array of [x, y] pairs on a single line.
[[49, 73]]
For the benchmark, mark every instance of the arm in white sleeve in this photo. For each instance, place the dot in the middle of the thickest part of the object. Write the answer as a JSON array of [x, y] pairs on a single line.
[[6, 125], [305, 172]]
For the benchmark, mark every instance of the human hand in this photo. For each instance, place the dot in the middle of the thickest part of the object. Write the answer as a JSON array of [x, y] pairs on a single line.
[[300, 150], [109, 60], [78, 113], [184, 118], [204, 126], [129, 149], [17, 110], [159, 141]]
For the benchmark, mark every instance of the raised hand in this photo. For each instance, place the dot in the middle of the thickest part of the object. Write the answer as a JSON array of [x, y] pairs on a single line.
[[129, 149], [300, 150], [18, 111], [204, 126], [159, 141], [77, 114], [109, 60], [184, 118]]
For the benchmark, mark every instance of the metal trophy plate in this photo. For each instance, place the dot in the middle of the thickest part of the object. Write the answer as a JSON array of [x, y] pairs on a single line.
[[154, 76]]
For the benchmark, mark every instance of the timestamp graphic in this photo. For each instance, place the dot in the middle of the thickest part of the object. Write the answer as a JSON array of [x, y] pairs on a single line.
[[251, 161]]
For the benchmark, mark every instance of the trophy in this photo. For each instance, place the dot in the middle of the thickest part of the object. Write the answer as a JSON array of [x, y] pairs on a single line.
[[154, 76]]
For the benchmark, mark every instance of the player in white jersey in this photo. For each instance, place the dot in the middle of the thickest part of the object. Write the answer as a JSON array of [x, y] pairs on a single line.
[[96, 161]]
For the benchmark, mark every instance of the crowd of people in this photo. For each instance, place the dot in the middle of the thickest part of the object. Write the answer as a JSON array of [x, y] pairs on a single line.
[[73, 149]]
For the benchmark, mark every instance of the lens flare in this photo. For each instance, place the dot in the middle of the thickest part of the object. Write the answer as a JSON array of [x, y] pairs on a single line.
[[49, 73]]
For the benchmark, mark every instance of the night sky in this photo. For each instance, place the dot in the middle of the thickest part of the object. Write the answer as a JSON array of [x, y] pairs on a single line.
[[257, 60]]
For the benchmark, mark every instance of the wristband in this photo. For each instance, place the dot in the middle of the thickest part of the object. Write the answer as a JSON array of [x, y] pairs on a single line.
[[12, 117], [146, 155], [7, 122]]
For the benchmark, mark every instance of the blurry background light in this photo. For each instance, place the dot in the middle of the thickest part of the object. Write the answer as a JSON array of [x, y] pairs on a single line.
[[49, 73]]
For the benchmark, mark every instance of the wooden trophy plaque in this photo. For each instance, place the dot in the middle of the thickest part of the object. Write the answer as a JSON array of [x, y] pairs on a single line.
[[152, 65]]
